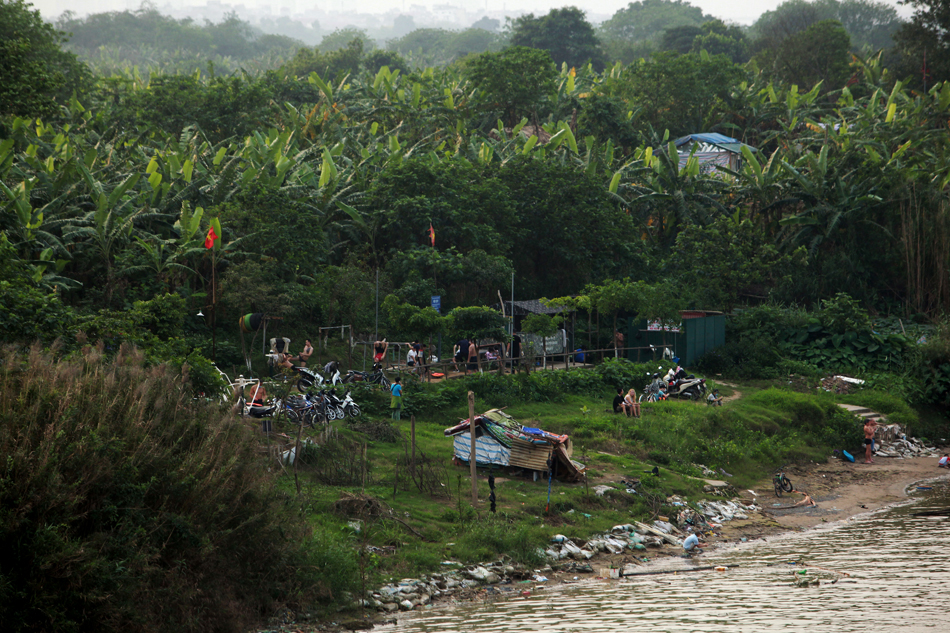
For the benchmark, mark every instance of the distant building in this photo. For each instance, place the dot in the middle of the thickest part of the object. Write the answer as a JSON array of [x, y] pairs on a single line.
[[712, 150]]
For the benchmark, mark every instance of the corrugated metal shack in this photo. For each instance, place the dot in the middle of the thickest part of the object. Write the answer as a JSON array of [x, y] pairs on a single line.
[[501, 441], [712, 150], [699, 332]]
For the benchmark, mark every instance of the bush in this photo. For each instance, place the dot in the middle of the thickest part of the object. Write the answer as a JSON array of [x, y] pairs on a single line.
[[125, 506], [540, 386], [494, 535]]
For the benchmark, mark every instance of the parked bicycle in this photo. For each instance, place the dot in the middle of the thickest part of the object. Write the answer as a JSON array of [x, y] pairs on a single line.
[[782, 484]]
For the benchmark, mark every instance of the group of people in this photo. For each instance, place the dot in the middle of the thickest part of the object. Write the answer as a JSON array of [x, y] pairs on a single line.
[[283, 358], [417, 358], [465, 353], [627, 403]]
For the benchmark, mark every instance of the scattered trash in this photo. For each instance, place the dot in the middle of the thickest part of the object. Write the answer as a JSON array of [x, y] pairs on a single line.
[[893, 442], [539, 578]]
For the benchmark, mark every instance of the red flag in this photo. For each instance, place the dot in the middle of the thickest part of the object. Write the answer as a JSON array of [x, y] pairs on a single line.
[[212, 236], [432, 234]]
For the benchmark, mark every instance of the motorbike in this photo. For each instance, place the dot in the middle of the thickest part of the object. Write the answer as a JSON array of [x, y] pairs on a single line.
[[692, 388], [334, 405], [349, 405], [377, 377], [307, 378], [684, 385], [654, 391]]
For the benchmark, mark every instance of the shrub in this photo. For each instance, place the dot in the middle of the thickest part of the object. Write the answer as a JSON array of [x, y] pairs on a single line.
[[126, 506]]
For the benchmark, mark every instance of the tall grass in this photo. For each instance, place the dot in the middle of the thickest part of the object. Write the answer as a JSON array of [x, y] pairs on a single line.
[[125, 506]]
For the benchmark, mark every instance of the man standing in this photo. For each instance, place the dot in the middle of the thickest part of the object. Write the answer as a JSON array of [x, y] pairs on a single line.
[[472, 356], [618, 343], [514, 351], [869, 427], [395, 402]]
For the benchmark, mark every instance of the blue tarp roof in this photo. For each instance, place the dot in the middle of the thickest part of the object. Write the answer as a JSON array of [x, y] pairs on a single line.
[[713, 138]]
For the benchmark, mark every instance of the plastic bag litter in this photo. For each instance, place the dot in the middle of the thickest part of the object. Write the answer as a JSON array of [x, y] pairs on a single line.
[[479, 573]]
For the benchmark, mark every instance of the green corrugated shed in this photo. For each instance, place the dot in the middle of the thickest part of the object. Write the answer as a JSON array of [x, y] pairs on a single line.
[[697, 336]]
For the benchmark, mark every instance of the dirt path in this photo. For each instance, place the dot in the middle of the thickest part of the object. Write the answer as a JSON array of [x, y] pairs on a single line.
[[736, 394]]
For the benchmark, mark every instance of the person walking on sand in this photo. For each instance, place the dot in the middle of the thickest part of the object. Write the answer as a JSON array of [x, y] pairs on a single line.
[[869, 427], [396, 402]]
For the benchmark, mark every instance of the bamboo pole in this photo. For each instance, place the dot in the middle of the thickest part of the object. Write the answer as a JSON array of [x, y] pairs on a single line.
[[412, 439], [471, 461]]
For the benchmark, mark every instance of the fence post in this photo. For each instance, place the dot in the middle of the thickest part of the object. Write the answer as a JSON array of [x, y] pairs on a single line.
[[412, 436], [471, 457]]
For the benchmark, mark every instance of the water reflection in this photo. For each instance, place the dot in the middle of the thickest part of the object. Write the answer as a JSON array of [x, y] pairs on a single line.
[[898, 573]]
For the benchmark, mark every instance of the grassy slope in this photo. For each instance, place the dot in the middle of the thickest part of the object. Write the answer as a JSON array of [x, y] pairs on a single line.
[[750, 437]]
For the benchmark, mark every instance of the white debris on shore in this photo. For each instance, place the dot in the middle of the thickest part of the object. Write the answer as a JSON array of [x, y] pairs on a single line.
[[893, 442]]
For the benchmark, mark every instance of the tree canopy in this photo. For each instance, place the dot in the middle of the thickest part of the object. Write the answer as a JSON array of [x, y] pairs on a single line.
[[564, 32], [35, 72]]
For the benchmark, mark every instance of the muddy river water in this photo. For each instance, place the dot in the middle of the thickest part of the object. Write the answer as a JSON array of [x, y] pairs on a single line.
[[899, 580]]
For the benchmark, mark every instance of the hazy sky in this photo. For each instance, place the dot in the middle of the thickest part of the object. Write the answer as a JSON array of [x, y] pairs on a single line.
[[741, 11]]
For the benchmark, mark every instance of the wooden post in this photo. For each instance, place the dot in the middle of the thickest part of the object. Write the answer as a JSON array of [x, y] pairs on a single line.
[[471, 460], [297, 457], [412, 436], [363, 468]]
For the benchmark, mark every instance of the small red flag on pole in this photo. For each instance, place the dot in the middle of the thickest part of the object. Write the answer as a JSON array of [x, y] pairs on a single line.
[[432, 234], [212, 236]]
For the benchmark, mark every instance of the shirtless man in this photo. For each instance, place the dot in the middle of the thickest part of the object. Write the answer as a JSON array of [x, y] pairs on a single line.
[[618, 342], [869, 427], [472, 357], [306, 353]]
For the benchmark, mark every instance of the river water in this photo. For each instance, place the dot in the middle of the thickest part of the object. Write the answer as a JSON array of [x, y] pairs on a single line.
[[899, 567]]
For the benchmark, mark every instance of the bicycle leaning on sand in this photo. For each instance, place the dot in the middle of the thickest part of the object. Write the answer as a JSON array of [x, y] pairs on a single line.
[[781, 483]]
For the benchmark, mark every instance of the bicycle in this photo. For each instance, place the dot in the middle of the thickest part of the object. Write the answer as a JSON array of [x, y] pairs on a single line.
[[782, 484]]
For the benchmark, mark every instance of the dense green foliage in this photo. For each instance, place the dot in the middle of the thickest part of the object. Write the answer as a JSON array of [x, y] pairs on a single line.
[[126, 506], [36, 72], [564, 32]]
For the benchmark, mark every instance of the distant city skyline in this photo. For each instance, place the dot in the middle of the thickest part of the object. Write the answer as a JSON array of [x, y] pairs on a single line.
[[743, 12]]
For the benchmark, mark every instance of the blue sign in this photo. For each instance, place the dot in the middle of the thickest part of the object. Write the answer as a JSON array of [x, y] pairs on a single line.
[[437, 303]]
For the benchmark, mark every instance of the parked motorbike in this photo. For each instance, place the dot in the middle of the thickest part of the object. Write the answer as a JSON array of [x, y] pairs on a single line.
[[349, 405], [377, 377], [307, 378], [692, 388]]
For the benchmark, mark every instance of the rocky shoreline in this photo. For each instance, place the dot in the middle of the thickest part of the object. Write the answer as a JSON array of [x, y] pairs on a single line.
[[840, 491]]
